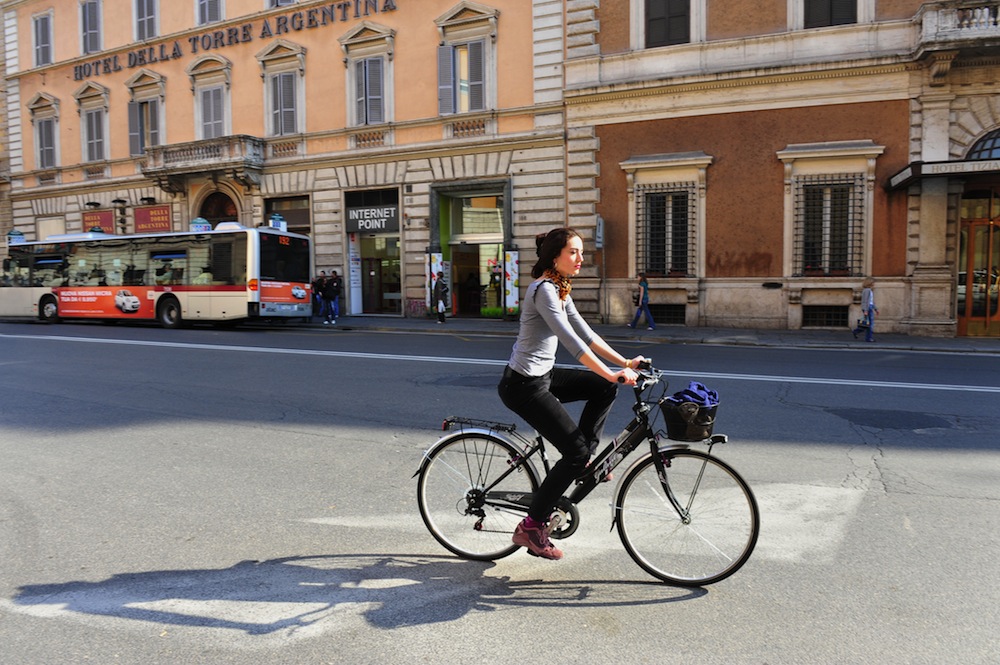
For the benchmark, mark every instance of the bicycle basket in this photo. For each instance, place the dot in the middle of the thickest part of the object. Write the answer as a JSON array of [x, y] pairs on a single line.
[[686, 421]]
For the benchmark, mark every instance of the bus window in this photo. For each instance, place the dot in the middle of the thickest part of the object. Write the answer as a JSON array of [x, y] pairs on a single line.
[[283, 258], [169, 266]]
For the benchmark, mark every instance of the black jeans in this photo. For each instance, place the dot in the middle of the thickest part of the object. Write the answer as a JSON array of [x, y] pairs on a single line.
[[539, 400]]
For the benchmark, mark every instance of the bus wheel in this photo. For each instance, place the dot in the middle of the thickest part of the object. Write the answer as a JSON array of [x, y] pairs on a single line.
[[48, 309], [169, 313]]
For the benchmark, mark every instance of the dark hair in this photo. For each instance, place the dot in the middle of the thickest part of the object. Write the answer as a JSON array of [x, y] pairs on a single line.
[[548, 246]]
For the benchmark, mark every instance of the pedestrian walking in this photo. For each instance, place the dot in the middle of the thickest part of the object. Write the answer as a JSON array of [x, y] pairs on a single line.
[[868, 310], [642, 304]]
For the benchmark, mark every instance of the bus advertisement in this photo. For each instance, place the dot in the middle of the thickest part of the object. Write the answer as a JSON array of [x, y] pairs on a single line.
[[229, 274]]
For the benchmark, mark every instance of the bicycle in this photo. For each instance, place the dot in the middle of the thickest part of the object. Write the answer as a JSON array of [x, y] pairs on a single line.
[[683, 515]]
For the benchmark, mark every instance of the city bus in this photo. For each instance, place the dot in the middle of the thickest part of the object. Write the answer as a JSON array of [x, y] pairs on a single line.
[[229, 274]]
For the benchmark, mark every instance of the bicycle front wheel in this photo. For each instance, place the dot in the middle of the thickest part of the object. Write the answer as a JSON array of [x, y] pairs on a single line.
[[695, 526], [461, 501]]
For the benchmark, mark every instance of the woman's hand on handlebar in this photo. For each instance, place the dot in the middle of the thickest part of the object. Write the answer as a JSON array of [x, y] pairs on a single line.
[[626, 376]]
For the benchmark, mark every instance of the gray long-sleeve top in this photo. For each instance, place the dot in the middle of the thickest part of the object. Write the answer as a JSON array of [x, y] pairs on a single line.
[[546, 321]]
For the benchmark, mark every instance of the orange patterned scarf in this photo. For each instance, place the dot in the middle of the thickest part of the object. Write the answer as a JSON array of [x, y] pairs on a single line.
[[562, 282]]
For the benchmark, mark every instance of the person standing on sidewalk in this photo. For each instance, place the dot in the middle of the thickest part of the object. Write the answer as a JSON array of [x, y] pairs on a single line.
[[535, 389], [440, 296], [319, 303], [868, 310], [331, 295], [642, 306]]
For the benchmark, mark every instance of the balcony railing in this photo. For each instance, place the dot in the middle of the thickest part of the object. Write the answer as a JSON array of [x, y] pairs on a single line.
[[239, 157], [958, 23]]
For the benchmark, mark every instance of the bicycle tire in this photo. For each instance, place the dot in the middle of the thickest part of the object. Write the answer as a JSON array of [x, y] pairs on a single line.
[[717, 538], [449, 490]]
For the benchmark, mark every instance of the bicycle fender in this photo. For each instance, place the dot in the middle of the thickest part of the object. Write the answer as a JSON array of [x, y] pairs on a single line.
[[447, 438]]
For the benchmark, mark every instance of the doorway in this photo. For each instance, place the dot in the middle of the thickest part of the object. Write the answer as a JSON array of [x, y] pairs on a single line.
[[978, 280], [218, 207]]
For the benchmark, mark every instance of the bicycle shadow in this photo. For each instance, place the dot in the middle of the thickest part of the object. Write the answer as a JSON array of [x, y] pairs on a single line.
[[298, 596]]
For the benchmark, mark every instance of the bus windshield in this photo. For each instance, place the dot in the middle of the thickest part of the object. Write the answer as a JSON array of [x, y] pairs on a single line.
[[284, 258]]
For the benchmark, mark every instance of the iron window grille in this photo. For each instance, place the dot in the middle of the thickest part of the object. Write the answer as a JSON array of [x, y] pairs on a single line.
[[829, 225], [666, 229]]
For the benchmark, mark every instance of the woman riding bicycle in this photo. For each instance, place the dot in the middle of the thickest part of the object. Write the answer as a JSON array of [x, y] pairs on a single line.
[[533, 388]]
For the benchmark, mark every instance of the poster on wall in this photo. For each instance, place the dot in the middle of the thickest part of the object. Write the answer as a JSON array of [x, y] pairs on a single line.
[[512, 294]]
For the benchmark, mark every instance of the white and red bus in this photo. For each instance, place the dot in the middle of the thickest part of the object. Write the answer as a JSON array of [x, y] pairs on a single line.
[[230, 274]]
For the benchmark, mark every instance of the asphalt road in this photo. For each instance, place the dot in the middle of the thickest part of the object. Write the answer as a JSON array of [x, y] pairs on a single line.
[[245, 496]]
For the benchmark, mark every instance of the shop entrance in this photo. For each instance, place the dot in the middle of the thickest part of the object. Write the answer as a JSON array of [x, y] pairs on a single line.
[[978, 280], [381, 291], [472, 223]]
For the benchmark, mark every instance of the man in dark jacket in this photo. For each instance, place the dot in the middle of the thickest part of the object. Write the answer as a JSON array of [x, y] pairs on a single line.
[[331, 294]]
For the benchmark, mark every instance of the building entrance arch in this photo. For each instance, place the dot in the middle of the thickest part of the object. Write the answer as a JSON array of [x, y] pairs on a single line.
[[219, 207]]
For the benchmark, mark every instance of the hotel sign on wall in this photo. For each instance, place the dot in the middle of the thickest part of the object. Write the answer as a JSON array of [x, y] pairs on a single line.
[[154, 219], [316, 17]]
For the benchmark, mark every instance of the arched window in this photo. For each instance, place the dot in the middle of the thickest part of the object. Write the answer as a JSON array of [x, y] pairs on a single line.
[[987, 147]]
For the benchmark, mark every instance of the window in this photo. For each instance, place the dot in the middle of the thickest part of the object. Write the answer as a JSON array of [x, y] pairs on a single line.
[[45, 139], [283, 104], [143, 125], [369, 51], [987, 147], [93, 135], [92, 100], [212, 113], [466, 59], [43, 39], [665, 230], [90, 26], [145, 19], [369, 92], [829, 224], [209, 11], [283, 67], [461, 78], [44, 109], [280, 3], [829, 204], [821, 13], [210, 81], [667, 22], [666, 221]]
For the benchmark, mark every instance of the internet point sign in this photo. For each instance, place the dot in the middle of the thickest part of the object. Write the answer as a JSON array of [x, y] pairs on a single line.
[[373, 219]]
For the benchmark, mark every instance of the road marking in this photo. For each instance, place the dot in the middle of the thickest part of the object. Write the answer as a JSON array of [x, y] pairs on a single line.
[[854, 383]]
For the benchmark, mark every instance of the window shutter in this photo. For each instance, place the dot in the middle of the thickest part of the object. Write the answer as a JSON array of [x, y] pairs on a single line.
[[678, 21], [95, 136], [134, 129], [376, 113], [153, 107], [91, 29], [283, 93], [43, 40], [46, 143], [843, 12], [446, 80], [477, 77], [211, 113], [360, 117]]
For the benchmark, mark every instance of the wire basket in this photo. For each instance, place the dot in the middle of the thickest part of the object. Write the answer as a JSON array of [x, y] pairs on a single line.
[[687, 421]]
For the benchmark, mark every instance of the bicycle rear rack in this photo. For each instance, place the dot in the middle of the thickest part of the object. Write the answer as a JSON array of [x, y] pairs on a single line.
[[450, 422]]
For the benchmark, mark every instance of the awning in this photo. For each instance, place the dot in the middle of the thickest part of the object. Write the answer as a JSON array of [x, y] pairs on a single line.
[[918, 170]]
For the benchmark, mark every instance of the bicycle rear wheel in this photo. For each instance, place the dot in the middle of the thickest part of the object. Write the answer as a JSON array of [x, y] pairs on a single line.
[[458, 502], [698, 526]]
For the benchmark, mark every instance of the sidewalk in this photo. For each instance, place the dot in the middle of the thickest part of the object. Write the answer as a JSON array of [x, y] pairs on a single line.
[[829, 339]]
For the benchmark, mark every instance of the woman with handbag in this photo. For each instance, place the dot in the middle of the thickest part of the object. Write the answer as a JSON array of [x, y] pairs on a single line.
[[641, 300], [868, 310]]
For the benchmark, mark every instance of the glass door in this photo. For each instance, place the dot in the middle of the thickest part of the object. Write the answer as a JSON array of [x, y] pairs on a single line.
[[978, 280]]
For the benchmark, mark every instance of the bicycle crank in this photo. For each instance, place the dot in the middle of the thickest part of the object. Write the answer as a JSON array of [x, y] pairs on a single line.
[[564, 520]]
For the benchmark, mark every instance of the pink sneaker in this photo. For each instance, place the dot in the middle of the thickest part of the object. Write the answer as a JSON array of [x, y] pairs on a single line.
[[536, 540]]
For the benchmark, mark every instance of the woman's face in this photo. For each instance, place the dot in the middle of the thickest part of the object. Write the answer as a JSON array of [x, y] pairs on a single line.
[[570, 259]]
